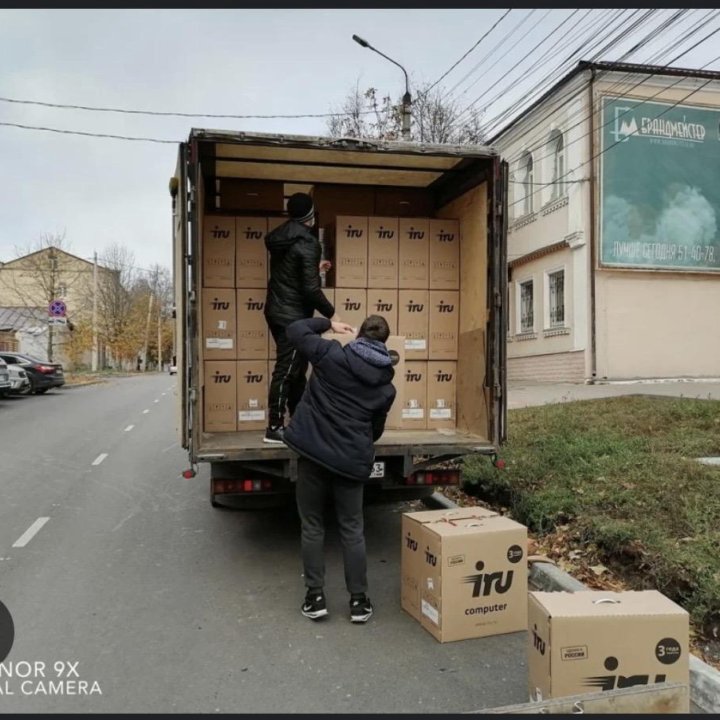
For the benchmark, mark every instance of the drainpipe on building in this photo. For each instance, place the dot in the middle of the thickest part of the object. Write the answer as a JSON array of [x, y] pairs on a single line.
[[593, 331]]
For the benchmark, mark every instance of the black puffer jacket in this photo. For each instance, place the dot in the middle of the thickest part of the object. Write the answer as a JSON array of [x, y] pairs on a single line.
[[345, 404], [294, 290]]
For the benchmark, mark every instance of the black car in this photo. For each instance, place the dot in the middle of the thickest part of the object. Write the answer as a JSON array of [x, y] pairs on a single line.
[[42, 375]]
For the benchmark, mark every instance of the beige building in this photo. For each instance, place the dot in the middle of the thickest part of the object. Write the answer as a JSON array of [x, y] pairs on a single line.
[[614, 226], [27, 286]]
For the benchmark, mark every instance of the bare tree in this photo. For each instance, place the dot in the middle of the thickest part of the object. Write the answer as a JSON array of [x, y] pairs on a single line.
[[436, 118]]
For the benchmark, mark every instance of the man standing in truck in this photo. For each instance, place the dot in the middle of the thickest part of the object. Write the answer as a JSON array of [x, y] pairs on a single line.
[[294, 292], [334, 429]]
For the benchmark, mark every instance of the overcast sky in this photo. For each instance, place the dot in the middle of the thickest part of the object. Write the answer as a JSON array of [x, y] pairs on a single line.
[[100, 191]]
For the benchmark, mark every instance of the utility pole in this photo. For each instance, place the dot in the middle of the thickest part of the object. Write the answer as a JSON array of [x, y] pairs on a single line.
[[159, 336], [53, 278], [147, 323], [94, 317]]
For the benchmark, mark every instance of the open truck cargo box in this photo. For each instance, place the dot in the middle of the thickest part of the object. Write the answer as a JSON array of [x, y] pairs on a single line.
[[236, 174]]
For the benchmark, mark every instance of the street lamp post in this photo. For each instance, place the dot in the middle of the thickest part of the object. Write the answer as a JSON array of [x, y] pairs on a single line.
[[407, 98]]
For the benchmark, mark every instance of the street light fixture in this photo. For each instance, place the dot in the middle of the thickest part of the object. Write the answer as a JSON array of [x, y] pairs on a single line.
[[407, 98]]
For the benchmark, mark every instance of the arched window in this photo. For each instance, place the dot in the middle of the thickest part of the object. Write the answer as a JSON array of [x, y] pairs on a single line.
[[526, 182], [556, 146]]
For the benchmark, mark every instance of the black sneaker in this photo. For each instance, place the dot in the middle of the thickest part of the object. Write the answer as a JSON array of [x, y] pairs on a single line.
[[360, 609], [274, 435], [314, 606]]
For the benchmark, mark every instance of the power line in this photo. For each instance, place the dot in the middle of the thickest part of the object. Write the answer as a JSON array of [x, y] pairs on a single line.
[[89, 134], [125, 111], [452, 67]]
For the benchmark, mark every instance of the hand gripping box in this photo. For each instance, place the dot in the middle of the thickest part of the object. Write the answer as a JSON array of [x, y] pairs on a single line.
[[411, 549], [473, 578], [591, 641]]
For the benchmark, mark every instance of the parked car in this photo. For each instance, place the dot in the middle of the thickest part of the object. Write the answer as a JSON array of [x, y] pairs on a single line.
[[173, 367], [19, 380], [5, 384], [43, 375]]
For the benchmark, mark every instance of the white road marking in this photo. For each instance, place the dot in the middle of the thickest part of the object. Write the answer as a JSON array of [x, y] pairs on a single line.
[[163, 394], [145, 412], [129, 428], [30, 533], [157, 401], [99, 458]]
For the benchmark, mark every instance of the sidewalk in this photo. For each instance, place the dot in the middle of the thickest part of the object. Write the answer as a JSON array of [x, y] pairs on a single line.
[[525, 394]]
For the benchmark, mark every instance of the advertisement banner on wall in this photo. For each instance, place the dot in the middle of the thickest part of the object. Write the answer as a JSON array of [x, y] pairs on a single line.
[[660, 186]]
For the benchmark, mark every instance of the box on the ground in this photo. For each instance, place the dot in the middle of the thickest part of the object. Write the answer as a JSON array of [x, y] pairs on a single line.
[[414, 322], [403, 202], [411, 550], [218, 252], [351, 306], [593, 640], [473, 578], [219, 324], [396, 349], [252, 394], [414, 398], [444, 254], [384, 303], [443, 324], [263, 196], [330, 295], [252, 329], [414, 253], [251, 256], [441, 394], [219, 396], [382, 252], [350, 238]]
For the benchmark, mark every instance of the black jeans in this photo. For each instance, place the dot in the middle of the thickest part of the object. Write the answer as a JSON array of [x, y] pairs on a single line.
[[288, 378], [315, 485]]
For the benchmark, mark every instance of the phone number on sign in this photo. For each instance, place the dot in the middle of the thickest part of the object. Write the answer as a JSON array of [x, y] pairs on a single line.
[[664, 251]]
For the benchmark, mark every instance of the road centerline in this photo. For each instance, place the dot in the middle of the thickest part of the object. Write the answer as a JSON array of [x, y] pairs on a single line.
[[30, 533], [145, 412], [99, 458], [129, 428]]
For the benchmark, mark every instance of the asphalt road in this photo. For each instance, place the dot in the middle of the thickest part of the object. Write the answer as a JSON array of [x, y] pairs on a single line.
[[172, 606]]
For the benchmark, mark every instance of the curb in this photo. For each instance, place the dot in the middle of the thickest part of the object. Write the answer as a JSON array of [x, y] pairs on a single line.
[[704, 679]]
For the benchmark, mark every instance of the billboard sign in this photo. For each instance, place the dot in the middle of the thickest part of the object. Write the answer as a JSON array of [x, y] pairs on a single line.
[[660, 186]]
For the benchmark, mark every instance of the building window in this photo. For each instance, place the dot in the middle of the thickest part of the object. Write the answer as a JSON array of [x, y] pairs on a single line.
[[526, 182], [527, 309], [557, 157], [61, 291], [556, 291]]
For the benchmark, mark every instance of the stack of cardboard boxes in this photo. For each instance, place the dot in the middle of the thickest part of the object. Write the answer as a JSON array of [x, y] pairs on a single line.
[[408, 270]]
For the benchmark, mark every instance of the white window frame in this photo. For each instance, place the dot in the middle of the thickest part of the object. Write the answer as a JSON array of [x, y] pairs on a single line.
[[519, 330], [557, 159], [546, 297], [527, 180]]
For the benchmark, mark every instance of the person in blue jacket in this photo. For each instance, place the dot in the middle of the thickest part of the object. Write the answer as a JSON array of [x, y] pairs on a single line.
[[335, 425]]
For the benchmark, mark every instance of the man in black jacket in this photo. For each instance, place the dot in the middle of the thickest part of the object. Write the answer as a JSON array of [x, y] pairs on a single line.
[[334, 428], [294, 292]]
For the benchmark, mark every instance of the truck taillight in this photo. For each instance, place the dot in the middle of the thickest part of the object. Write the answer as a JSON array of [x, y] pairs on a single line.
[[434, 477], [241, 486]]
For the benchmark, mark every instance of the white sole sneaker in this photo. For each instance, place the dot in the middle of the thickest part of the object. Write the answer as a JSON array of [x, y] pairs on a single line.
[[273, 442], [314, 614], [361, 618]]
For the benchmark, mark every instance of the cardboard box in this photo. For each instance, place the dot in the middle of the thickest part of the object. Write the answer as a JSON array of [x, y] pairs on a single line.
[[252, 394], [251, 257], [473, 578], [444, 324], [218, 252], [594, 640], [263, 196], [351, 306], [219, 324], [414, 398], [382, 252], [276, 222], [252, 328], [411, 550], [333, 200], [414, 253], [330, 295], [396, 349], [403, 202], [444, 255], [219, 396], [441, 394], [384, 303], [414, 322], [350, 267]]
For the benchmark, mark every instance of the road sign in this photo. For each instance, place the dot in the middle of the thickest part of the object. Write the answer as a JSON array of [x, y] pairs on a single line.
[[57, 320], [57, 308]]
